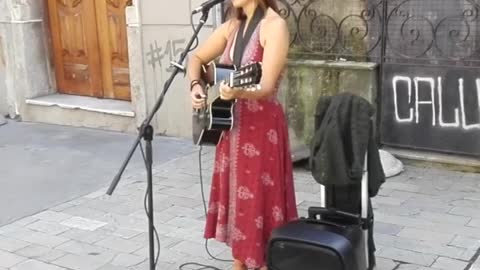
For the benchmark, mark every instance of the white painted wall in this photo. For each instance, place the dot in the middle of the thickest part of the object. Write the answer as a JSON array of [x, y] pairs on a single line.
[[166, 30], [23, 54]]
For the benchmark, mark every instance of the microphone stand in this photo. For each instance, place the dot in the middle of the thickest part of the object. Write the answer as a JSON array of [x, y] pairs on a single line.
[[147, 133]]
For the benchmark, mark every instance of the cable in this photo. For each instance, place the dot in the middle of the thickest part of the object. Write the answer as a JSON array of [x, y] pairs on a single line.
[[196, 38], [147, 212], [205, 203], [203, 266]]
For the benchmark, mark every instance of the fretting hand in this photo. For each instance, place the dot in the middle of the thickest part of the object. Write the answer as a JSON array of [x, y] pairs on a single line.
[[226, 92]]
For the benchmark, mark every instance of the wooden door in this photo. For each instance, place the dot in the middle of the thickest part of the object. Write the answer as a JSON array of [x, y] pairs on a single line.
[[112, 35], [90, 47]]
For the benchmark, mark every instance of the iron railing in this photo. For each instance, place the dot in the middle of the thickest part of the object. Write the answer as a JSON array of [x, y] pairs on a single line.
[[421, 31]]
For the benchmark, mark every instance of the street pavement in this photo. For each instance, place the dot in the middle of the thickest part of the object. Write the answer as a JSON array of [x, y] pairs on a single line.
[[425, 218], [44, 165]]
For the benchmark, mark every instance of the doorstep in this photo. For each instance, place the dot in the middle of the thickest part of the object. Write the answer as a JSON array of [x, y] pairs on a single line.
[[108, 106], [81, 111]]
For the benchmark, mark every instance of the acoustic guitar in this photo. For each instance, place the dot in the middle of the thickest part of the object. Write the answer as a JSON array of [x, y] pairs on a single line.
[[209, 123]]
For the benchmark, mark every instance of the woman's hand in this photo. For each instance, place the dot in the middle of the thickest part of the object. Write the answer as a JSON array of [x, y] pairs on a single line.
[[226, 92], [198, 97]]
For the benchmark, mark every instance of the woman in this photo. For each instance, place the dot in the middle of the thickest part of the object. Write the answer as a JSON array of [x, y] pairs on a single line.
[[252, 187]]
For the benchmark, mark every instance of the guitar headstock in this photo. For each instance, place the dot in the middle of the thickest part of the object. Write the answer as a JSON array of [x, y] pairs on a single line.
[[246, 76]]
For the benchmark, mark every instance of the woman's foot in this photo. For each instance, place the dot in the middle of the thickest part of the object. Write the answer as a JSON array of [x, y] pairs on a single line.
[[238, 265]]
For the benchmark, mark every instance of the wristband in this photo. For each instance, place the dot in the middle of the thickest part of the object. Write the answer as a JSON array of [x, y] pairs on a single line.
[[195, 82]]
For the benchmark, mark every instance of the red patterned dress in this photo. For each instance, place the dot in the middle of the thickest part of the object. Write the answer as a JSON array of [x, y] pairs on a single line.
[[252, 187]]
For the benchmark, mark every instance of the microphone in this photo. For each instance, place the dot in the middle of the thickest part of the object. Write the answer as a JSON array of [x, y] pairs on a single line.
[[206, 6]]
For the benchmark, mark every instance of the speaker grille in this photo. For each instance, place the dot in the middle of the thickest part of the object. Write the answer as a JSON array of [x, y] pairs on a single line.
[[290, 255]]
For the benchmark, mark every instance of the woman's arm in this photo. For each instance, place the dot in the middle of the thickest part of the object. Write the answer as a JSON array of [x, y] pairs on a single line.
[[277, 41], [209, 50]]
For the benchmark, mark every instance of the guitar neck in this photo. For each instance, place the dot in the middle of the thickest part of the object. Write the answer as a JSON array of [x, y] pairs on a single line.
[[246, 77]]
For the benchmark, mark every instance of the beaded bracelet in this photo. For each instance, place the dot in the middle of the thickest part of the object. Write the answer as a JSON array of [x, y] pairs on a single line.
[[195, 82]]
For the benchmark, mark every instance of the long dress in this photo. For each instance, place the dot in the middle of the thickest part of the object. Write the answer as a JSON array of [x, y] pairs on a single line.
[[252, 188]]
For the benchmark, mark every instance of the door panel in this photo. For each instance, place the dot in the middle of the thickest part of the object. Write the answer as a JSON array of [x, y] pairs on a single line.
[[113, 47], [90, 47], [75, 43]]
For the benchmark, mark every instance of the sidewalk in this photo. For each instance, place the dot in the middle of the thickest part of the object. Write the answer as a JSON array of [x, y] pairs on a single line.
[[425, 218]]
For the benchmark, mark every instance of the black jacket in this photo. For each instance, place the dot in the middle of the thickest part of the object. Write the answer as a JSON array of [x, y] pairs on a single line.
[[343, 133]]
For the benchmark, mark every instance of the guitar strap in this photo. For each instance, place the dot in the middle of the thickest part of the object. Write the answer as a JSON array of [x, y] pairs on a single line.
[[242, 40]]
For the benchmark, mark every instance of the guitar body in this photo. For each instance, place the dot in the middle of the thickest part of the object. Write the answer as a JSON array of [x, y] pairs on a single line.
[[209, 123]]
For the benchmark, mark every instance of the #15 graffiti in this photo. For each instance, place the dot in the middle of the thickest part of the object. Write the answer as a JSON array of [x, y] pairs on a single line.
[[163, 56]]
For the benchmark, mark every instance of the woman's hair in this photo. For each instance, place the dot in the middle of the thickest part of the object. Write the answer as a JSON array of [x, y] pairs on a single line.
[[238, 12]]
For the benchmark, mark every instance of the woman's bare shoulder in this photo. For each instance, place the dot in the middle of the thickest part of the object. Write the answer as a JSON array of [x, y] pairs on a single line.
[[274, 21], [229, 27], [272, 25]]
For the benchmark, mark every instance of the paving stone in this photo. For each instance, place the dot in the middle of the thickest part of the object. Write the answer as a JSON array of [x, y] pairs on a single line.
[[127, 260], [475, 222], [398, 210], [119, 244], [188, 234], [465, 211], [428, 204], [444, 218], [9, 228], [84, 249], [465, 242], [39, 238], [172, 256], [185, 222], [84, 212], [467, 202], [165, 243], [62, 207], [77, 262], [424, 247], [95, 194], [420, 223], [8, 259], [40, 253], [25, 221], [449, 264], [115, 267], [110, 207], [180, 211], [386, 228], [126, 233], [425, 235], [35, 265], [195, 249], [48, 227], [89, 237], [116, 221], [11, 244], [83, 223], [403, 186], [53, 216], [412, 267], [407, 256], [385, 264], [174, 200]]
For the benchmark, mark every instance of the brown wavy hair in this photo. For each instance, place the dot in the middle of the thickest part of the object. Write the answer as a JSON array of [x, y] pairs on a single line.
[[238, 12]]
